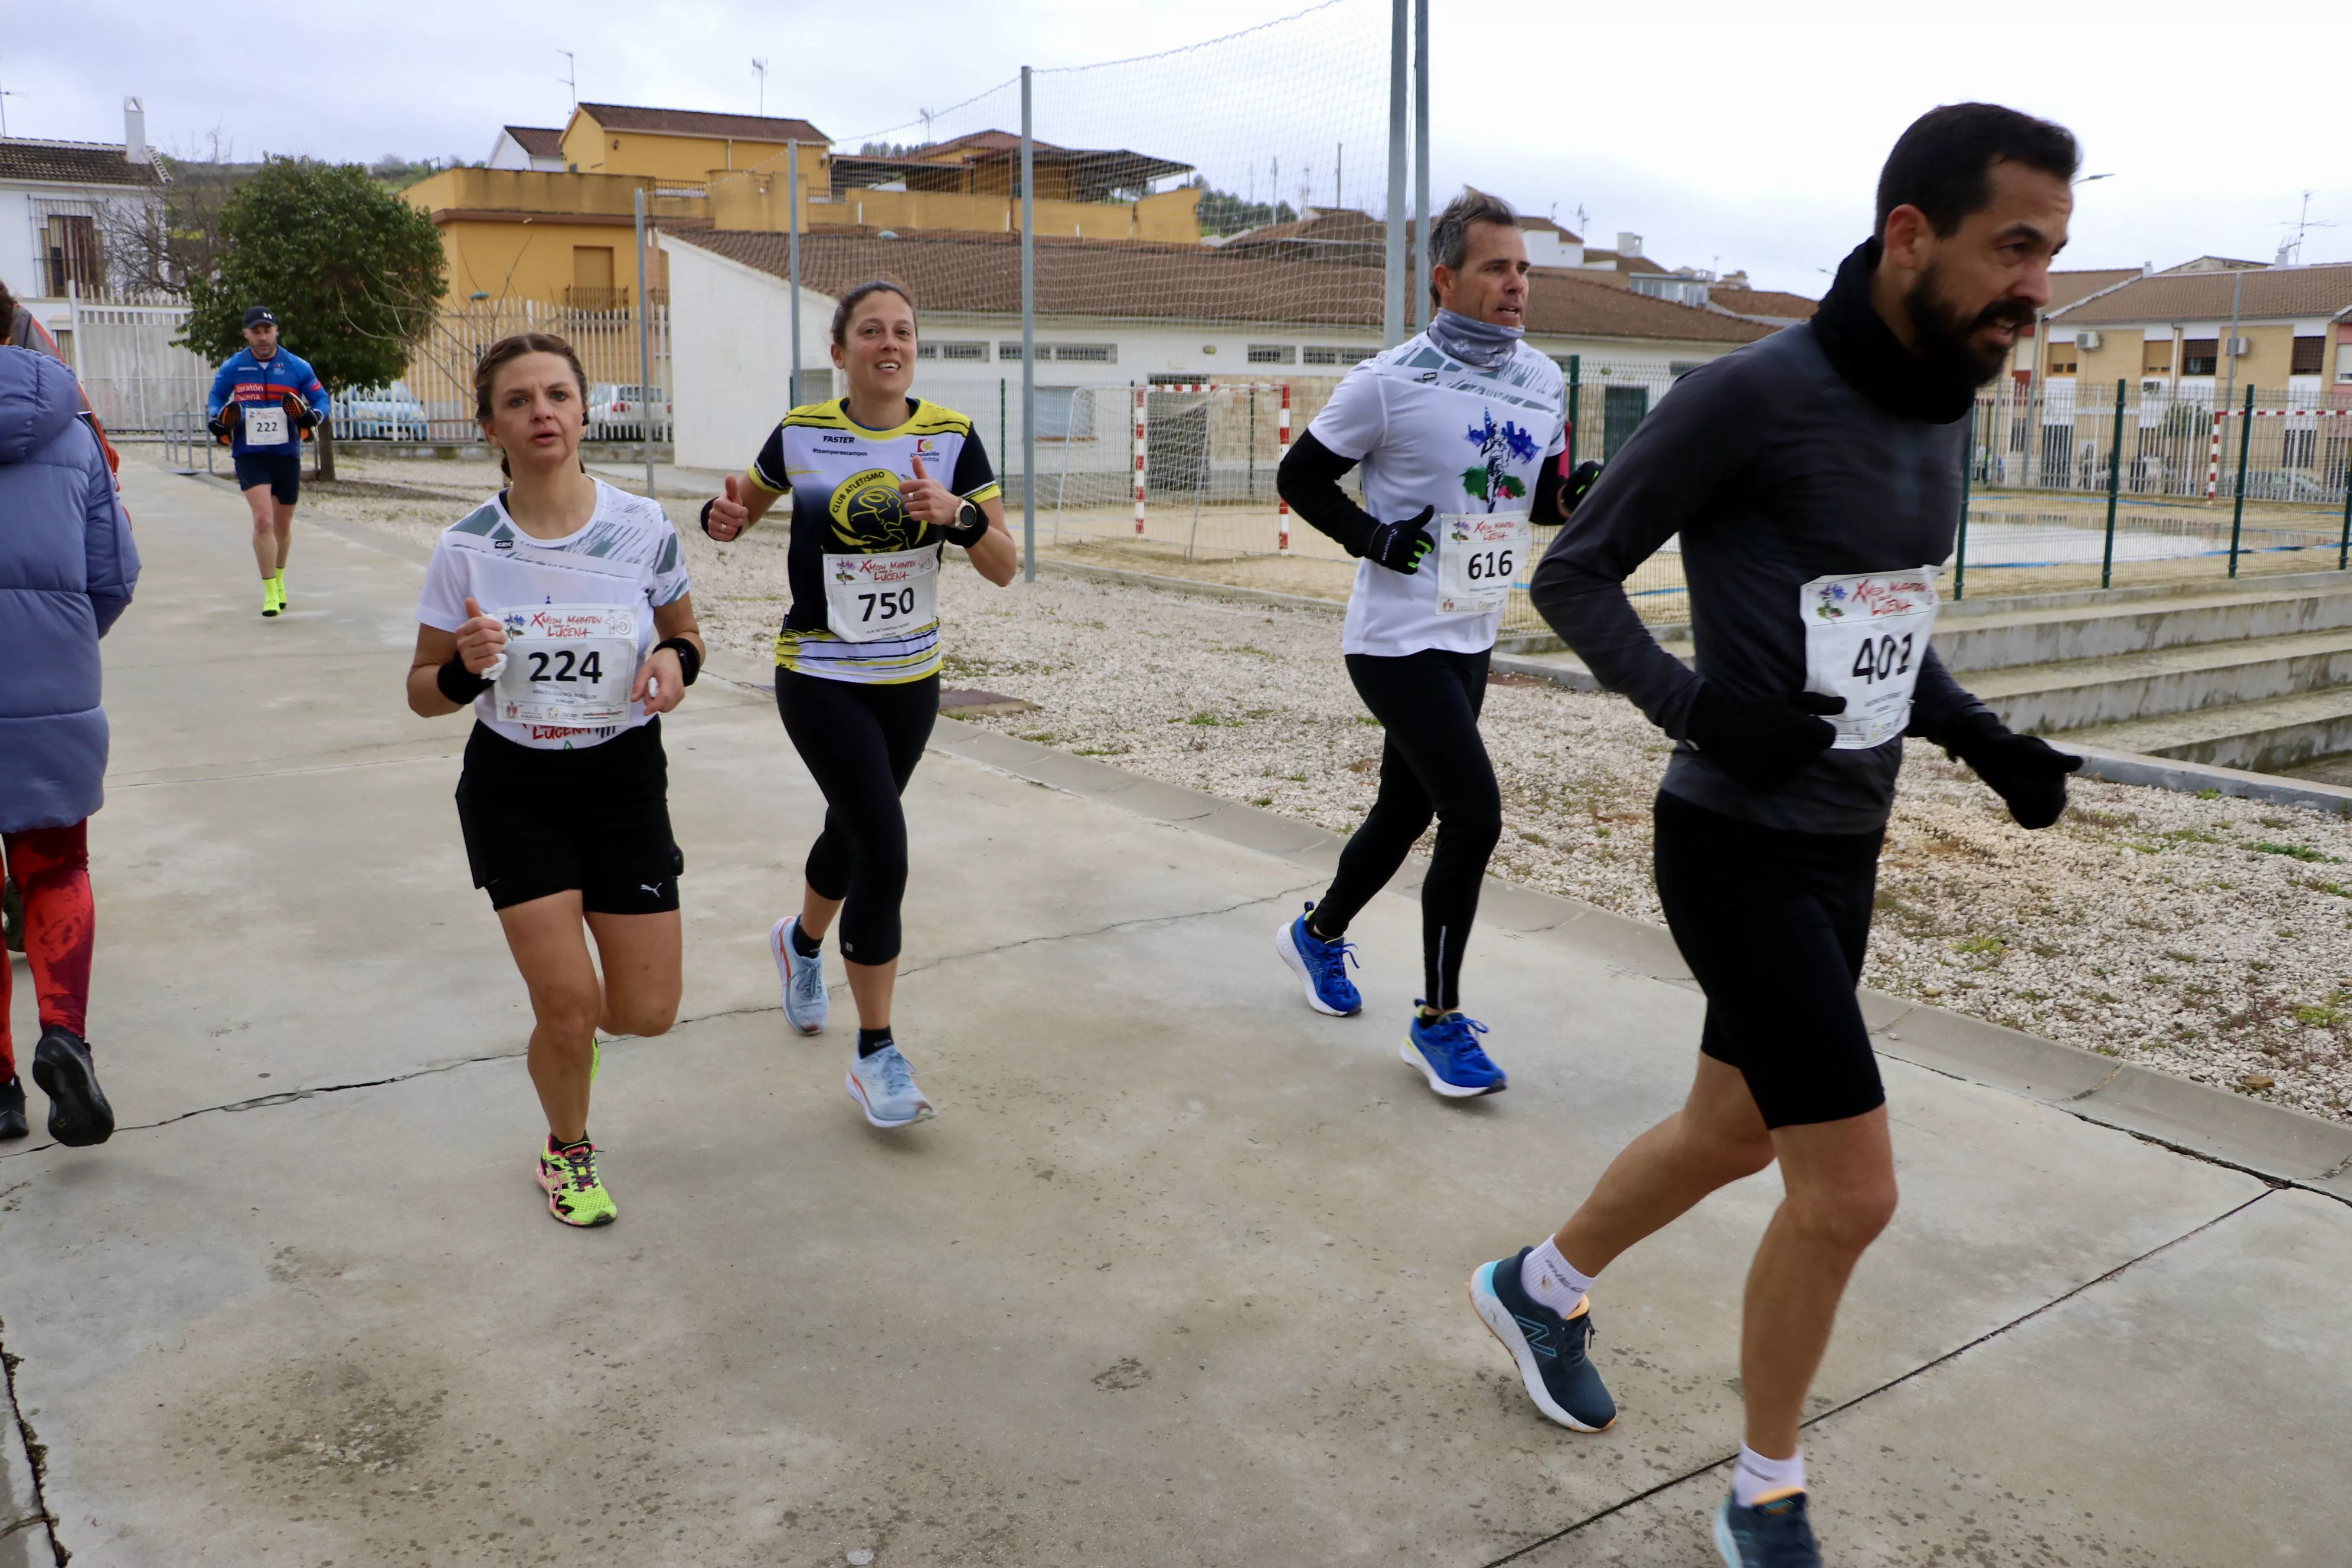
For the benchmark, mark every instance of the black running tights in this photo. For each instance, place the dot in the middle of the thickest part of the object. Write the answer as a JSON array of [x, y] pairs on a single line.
[[861, 743], [1432, 764]]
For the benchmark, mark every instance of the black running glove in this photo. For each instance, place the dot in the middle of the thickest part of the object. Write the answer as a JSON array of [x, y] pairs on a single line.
[[1763, 744], [1402, 546], [297, 411], [224, 424], [1579, 480], [2026, 771]]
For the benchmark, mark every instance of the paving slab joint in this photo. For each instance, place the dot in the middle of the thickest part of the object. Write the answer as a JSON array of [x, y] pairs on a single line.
[[19, 1432]]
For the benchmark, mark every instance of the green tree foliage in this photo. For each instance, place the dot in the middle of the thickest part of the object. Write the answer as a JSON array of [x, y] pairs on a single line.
[[1222, 211], [353, 271]]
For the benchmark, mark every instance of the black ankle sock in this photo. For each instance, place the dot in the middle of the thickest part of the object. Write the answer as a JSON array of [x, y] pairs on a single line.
[[807, 946], [872, 1040], [555, 1147]]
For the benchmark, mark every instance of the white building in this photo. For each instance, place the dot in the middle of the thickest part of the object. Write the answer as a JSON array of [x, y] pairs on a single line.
[[528, 147], [66, 209], [1108, 316]]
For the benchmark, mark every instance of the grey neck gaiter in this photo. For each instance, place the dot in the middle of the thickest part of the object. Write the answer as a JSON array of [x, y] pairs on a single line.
[[1473, 342]]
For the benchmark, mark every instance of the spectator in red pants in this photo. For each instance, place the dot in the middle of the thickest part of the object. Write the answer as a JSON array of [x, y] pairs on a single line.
[[66, 569]]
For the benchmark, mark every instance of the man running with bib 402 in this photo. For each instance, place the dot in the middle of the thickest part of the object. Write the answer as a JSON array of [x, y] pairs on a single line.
[[1456, 430], [1814, 481], [264, 401]]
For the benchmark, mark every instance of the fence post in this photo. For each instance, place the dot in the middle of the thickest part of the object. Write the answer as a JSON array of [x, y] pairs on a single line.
[[2238, 511], [2344, 543], [1029, 338], [1281, 503], [2115, 473], [1574, 363], [1139, 395], [1960, 550], [644, 358]]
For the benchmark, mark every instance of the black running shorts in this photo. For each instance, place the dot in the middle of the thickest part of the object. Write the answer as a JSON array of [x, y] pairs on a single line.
[[1773, 925], [594, 820], [281, 471]]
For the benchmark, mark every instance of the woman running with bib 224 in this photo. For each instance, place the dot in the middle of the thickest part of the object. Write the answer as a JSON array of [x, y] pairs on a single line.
[[878, 480], [558, 610]]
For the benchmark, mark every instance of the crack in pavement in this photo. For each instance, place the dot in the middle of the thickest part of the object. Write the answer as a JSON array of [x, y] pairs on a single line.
[[1891, 1384], [37, 1456]]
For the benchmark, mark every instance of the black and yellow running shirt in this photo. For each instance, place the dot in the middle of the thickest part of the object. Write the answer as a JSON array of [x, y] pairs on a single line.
[[844, 483]]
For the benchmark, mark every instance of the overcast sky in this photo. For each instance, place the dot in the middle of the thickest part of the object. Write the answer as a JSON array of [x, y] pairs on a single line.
[[1728, 135]]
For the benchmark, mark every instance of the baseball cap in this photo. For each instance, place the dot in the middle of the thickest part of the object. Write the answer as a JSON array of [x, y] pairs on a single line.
[[260, 316]]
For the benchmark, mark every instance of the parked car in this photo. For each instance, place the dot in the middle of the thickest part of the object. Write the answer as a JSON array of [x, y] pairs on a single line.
[[380, 413], [617, 413]]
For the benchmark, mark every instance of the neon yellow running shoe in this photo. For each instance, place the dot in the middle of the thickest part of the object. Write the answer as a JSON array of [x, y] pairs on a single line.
[[280, 581], [576, 1195], [269, 604]]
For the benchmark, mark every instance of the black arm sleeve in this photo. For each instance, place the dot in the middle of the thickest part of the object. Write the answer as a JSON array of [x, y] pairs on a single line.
[[1309, 480], [1941, 706], [1545, 512]]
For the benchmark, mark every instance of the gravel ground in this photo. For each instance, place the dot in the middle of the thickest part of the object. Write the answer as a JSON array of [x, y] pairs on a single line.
[[2210, 938]]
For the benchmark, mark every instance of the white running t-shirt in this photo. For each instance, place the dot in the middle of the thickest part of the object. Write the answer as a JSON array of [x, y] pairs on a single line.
[[1431, 431], [625, 556]]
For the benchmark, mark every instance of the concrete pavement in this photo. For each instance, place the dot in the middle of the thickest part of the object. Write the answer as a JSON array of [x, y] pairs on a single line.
[[1176, 1277]]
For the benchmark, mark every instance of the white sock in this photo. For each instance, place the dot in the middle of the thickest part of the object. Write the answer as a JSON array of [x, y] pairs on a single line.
[[1547, 1277], [1755, 1475]]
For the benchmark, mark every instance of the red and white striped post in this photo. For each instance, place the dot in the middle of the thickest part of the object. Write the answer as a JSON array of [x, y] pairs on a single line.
[[1138, 460], [2213, 461], [1282, 507]]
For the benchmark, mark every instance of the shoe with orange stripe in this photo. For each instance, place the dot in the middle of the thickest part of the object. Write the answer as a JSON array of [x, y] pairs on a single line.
[[1774, 1533]]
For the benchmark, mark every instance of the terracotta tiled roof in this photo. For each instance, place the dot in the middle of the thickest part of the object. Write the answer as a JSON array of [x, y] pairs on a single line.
[[73, 163], [539, 141], [1530, 221], [1763, 302], [700, 123], [982, 275], [2079, 283], [2270, 293]]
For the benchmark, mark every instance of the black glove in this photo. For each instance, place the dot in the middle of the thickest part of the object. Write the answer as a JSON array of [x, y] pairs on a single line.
[[1402, 546], [2026, 771], [224, 424], [304, 417], [1579, 480], [1763, 744]]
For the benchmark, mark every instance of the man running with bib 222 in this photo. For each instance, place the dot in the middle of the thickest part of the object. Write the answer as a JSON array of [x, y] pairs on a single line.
[[1814, 479], [1456, 430], [264, 401]]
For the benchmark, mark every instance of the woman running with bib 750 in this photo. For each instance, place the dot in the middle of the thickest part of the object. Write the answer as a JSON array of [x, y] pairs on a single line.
[[558, 610], [879, 481]]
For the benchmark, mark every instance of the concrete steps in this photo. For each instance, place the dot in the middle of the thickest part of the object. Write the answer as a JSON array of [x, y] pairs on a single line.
[[2184, 678], [2262, 737]]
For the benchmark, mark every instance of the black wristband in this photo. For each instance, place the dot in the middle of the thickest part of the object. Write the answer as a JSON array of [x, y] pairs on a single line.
[[706, 515], [457, 683], [963, 535], [689, 657]]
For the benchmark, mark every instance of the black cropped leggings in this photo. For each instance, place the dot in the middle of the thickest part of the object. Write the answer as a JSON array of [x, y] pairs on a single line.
[[861, 743], [1432, 764]]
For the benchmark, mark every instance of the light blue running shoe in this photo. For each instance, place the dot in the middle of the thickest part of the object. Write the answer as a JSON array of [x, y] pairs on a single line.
[[1321, 966], [1446, 1050], [806, 1007], [884, 1087]]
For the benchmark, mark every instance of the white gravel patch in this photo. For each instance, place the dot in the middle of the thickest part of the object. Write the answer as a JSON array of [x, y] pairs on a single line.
[[2208, 938]]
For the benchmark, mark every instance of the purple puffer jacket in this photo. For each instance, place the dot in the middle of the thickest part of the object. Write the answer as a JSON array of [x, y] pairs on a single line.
[[66, 569]]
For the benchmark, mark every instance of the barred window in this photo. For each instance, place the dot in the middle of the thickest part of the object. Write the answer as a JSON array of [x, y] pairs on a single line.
[[1271, 354], [1082, 353], [1338, 356], [2310, 356], [952, 351]]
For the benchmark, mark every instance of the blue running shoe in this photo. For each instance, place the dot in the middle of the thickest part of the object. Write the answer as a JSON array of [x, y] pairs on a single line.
[[1551, 1349], [1772, 1534], [1321, 966], [803, 978], [1446, 1050]]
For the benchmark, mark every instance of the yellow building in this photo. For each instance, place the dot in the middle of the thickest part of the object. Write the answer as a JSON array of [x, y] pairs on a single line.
[[566, 237]]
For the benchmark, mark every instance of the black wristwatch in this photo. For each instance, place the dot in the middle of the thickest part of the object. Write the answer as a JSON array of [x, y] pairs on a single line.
[[970, 526]]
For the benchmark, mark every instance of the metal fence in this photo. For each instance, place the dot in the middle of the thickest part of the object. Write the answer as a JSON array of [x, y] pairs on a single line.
[[142, 386]]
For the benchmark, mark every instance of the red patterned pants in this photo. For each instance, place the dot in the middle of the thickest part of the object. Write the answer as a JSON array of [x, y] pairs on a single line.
[[51, 868]]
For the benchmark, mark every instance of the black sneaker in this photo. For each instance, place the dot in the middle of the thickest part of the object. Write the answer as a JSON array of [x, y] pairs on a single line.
[[12, 1107], [79, 1113], [1551, 1349], [1772, 1534]]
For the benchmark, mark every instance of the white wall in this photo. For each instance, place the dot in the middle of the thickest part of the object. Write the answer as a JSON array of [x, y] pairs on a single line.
[[730, 355], [20, 260]]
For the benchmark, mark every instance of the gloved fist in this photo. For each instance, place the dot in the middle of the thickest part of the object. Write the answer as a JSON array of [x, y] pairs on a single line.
[[2026, 771], [297, 411], [1574, 487], [224, 424], [1402, 546], [1763, 744]]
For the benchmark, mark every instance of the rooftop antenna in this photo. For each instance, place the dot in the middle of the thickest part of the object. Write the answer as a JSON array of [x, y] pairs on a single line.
[[927, 116], [5, 96], [1583, 223], [570, 77], [760, 66]]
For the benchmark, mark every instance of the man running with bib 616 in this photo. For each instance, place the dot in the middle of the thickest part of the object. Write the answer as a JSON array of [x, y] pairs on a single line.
[[1814, 481]]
